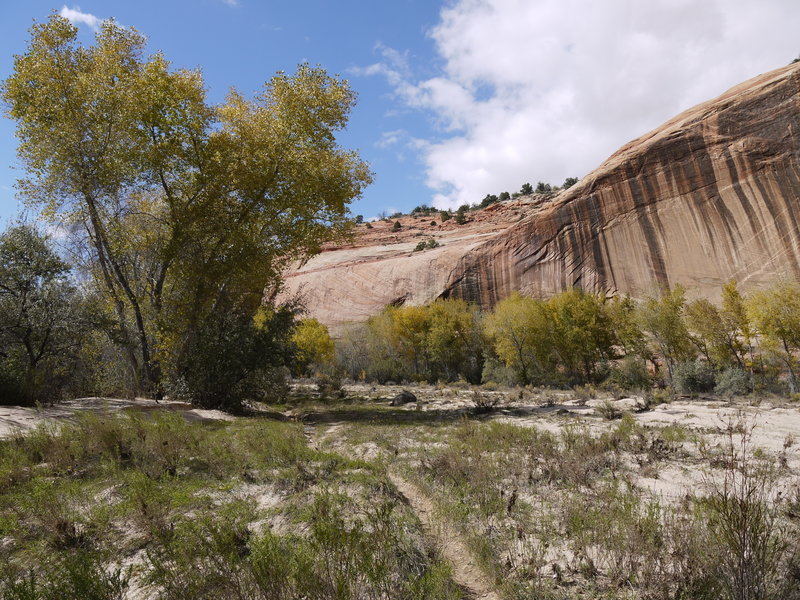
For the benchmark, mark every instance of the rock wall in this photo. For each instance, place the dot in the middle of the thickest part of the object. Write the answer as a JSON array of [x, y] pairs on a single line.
[[712, 195], [352, 283]]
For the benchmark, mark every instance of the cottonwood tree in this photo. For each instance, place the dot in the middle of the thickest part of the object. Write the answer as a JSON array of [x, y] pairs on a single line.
[[717, 333], [314, 345], [454, 340], [775, 312], [190, 209], [442, 340], [662, 320], [583, 332], [521, 331]]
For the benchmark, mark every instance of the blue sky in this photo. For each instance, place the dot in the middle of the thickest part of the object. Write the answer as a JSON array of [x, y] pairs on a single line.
[[461, 98]]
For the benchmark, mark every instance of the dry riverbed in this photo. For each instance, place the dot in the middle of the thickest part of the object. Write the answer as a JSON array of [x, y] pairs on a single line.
[[544, 492]]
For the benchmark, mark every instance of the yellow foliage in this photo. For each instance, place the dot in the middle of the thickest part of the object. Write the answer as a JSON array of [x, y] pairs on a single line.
[[314, 344]]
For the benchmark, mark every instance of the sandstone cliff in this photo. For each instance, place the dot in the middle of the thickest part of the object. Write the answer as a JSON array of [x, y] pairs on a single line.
[[712, 195]]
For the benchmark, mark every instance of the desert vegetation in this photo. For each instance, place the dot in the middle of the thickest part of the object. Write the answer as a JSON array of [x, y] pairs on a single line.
[[575, 446], [177, 217], [242, 509], [526, 492], [746, 344]]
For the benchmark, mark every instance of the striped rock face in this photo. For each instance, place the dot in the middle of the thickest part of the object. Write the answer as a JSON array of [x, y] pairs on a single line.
[[710, 196]]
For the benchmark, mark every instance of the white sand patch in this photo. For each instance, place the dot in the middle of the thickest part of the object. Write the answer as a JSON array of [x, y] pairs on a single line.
[[23, 418]]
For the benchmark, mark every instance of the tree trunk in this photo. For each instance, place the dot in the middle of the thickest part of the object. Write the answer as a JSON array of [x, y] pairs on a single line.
[[150, 376]]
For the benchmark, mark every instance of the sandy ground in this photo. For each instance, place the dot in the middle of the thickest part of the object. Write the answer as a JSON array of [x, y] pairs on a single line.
[[14, 419], [773, 426]]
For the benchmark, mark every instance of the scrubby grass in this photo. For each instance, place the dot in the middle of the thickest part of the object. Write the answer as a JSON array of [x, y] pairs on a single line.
[[558, 513], [248, 509], [547, 512], [92, 508]]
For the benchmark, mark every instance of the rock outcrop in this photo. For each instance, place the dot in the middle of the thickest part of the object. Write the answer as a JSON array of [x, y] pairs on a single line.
[[712, 195], [381, 267]]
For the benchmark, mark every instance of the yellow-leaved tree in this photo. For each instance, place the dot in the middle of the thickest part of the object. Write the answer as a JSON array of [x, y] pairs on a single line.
[[314, 345], [521, 331], [189, 210], [775, 312]]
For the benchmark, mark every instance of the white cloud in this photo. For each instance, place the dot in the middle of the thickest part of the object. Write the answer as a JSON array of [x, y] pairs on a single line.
[[391, 138], [76, 17], [547, 89], [231, 2]]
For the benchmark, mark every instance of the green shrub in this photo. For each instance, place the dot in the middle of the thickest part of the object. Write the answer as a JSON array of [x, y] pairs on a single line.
[[233, 354], [655, 397], [733, 382], [753, 548], [65, 576], [496, 371], [569, 182], [584, 393], [484, 403], [630, 374], [693, 377], [608, 411], [346, 553]]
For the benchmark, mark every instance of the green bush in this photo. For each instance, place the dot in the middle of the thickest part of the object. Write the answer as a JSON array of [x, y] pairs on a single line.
[[488, 200], [234, 355], [496, 371], [630, 374], [347, 553], [754, 548], [693, 377], [569, 182], [68, 575], [733, 382]]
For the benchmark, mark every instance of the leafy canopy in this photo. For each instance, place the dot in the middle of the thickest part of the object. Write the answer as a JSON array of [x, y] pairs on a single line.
[[188, 208]]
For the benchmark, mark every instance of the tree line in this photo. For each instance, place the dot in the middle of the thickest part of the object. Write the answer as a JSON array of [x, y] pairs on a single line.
[[176, 218], [573, 338]]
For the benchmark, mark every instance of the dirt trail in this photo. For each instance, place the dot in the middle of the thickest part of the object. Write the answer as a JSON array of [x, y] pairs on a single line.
[[466, 573]]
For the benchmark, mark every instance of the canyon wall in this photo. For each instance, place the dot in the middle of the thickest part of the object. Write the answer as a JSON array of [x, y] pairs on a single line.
[[711, 195]]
